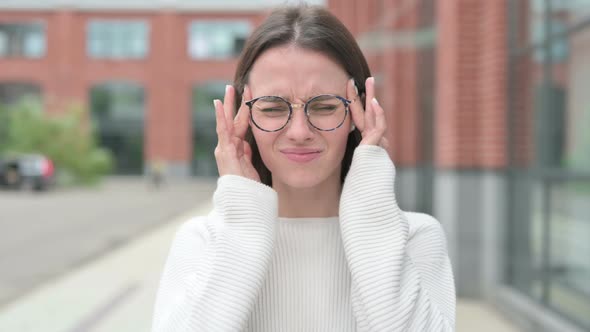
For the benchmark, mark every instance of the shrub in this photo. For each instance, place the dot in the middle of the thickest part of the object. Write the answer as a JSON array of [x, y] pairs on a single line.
[[67, 138]]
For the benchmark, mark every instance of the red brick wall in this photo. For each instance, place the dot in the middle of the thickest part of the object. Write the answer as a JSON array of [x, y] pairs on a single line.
[[470, 119], [401, 85], [471, 84], [470, 122], [492, 110]]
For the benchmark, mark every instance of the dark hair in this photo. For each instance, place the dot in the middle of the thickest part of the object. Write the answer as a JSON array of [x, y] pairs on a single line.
[[308, 27]]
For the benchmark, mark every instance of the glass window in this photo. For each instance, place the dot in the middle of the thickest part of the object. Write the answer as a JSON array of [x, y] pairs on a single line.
[[559, 48], [203, 120], [217, 39], [116, 39], [577, 119], [549, 223], [551, 262], [118, 113], [571, 11], [22, 39], [3, 42], [12, 93]]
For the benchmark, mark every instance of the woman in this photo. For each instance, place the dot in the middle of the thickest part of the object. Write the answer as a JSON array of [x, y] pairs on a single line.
[[305, 232]]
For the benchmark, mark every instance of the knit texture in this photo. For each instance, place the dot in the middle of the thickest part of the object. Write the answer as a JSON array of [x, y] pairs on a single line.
[[372, 268]]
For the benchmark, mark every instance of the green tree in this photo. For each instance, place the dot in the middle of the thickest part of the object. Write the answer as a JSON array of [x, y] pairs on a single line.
[[67, 138]]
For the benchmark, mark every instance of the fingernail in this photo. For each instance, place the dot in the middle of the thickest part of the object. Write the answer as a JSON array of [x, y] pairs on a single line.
[[227, 88], [375, 101], [215, 102]]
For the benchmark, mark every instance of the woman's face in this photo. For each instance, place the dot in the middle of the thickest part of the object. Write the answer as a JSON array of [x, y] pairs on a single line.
[[299, 155]]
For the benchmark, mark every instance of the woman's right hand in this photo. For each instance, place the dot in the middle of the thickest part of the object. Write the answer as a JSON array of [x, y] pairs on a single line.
[[233, 154]]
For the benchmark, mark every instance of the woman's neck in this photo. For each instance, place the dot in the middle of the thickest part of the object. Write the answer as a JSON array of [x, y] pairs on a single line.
[[317, 202]]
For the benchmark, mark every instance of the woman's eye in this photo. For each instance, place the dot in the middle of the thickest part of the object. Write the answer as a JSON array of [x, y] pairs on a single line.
[[324, 109]]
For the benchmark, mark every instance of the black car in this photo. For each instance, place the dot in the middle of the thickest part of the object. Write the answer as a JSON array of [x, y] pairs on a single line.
[[28, 170]]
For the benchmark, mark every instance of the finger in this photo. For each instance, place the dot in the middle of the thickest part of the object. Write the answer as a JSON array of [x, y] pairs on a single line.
[[356, 107], [376, 125], [241, 121], [380, 121], [248, 152], [369, 112], [375, 130], [228, 106], [382, 126], [238, 143], [384, 143], [221, 128], [246, 163]]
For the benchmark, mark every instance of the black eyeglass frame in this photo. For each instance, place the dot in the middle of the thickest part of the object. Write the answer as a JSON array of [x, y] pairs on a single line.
[[345, 101]]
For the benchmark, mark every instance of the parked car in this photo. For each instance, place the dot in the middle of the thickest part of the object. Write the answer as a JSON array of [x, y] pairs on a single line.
[[34, 171]]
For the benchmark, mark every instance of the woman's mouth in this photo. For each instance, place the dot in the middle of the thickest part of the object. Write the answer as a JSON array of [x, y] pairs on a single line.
[[301, 155]]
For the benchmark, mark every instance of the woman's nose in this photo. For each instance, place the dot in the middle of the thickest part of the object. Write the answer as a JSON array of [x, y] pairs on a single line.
[[298, 127]]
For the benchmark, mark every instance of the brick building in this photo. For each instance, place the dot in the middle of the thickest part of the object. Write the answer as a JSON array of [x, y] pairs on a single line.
[[486, 104]]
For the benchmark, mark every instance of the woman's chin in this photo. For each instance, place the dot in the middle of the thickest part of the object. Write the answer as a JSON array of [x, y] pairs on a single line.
[[299, 181]]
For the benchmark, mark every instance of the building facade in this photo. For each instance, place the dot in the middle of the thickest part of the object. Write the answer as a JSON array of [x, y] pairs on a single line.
[[489, 129], [486, 104]]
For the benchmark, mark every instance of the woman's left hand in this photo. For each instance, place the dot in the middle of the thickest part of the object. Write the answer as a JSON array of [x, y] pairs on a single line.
[[371, 121]]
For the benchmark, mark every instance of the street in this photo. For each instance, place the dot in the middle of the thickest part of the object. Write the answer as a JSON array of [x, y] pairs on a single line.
[[45, 235]]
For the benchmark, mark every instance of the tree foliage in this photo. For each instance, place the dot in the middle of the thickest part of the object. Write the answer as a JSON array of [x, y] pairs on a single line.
[[67, 138]]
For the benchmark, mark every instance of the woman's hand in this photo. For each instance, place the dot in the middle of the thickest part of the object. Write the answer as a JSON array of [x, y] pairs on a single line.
[[233, 154], [370, 122]]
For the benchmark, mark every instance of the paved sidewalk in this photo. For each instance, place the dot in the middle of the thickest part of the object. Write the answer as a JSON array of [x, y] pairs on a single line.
[[116, 293], [481, 317]]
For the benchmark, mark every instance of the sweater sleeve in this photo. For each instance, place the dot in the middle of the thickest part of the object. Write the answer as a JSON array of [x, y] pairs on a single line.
[[217, 263], [401, 276]]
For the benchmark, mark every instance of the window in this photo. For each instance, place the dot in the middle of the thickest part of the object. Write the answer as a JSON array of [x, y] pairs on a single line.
[[118, 111], [23, 39], [550, 182], [559, 47], [11, 93], [116, 39], [217, 39], [203, 121]]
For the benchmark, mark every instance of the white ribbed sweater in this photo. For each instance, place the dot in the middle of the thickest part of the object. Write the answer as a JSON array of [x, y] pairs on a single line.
[[373, 268]]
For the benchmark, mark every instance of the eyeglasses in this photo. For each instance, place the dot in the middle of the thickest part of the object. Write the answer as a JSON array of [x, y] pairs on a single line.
[[324, 112]]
